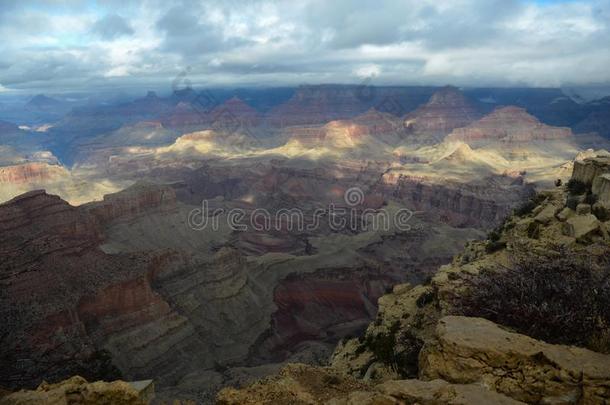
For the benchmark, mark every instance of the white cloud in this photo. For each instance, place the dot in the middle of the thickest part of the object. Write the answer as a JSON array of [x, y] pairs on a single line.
[[465, 42], [367, 71]]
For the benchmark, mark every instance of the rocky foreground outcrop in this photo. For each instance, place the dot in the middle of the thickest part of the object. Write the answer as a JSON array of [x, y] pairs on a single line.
[[429, 345], [588, 169], [301, 384], [474, 350], [77, 390]]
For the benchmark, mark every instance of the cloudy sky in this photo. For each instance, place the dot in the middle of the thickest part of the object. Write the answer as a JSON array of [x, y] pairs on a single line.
[[59, 45]]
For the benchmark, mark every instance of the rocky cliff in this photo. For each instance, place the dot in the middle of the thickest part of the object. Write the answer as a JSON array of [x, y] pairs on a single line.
[[58, 285], [431, 344]]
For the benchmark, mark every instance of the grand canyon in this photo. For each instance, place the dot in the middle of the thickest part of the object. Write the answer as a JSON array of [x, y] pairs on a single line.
[[354, 243]]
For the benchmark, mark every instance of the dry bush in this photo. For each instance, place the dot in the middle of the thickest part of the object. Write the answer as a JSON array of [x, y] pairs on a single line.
[[563, 299]]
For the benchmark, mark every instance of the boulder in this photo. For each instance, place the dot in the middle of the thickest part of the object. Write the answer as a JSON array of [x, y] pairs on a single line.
[[601, 211], [475, 350], [583, 209], [546, 215], [565, 214], [581, 226]]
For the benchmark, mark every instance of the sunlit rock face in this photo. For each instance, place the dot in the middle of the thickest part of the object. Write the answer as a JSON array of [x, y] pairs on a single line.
[[510, 125], [446, 110]]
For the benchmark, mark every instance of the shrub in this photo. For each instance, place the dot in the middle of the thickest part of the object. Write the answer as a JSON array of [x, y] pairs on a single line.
[[602, 213], [528, 206], [385, 347], [408, 358], [563, 299], [590, 199], [533, 230], [382, 345], [525, 208], [492, 246], [572, 202], [98, 367], [425, 299], [576, 187], [494, 235]]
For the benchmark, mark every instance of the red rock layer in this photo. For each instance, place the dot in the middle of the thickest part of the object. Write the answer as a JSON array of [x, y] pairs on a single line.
[[30, 173], [233, 115], [234, 112], [312, 105], [511, 124], [121, 306], [446, 110], [480, 205], [133, 201], [36, 225], [373, 123], [58, 287], [325, 304], [378, 123]]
